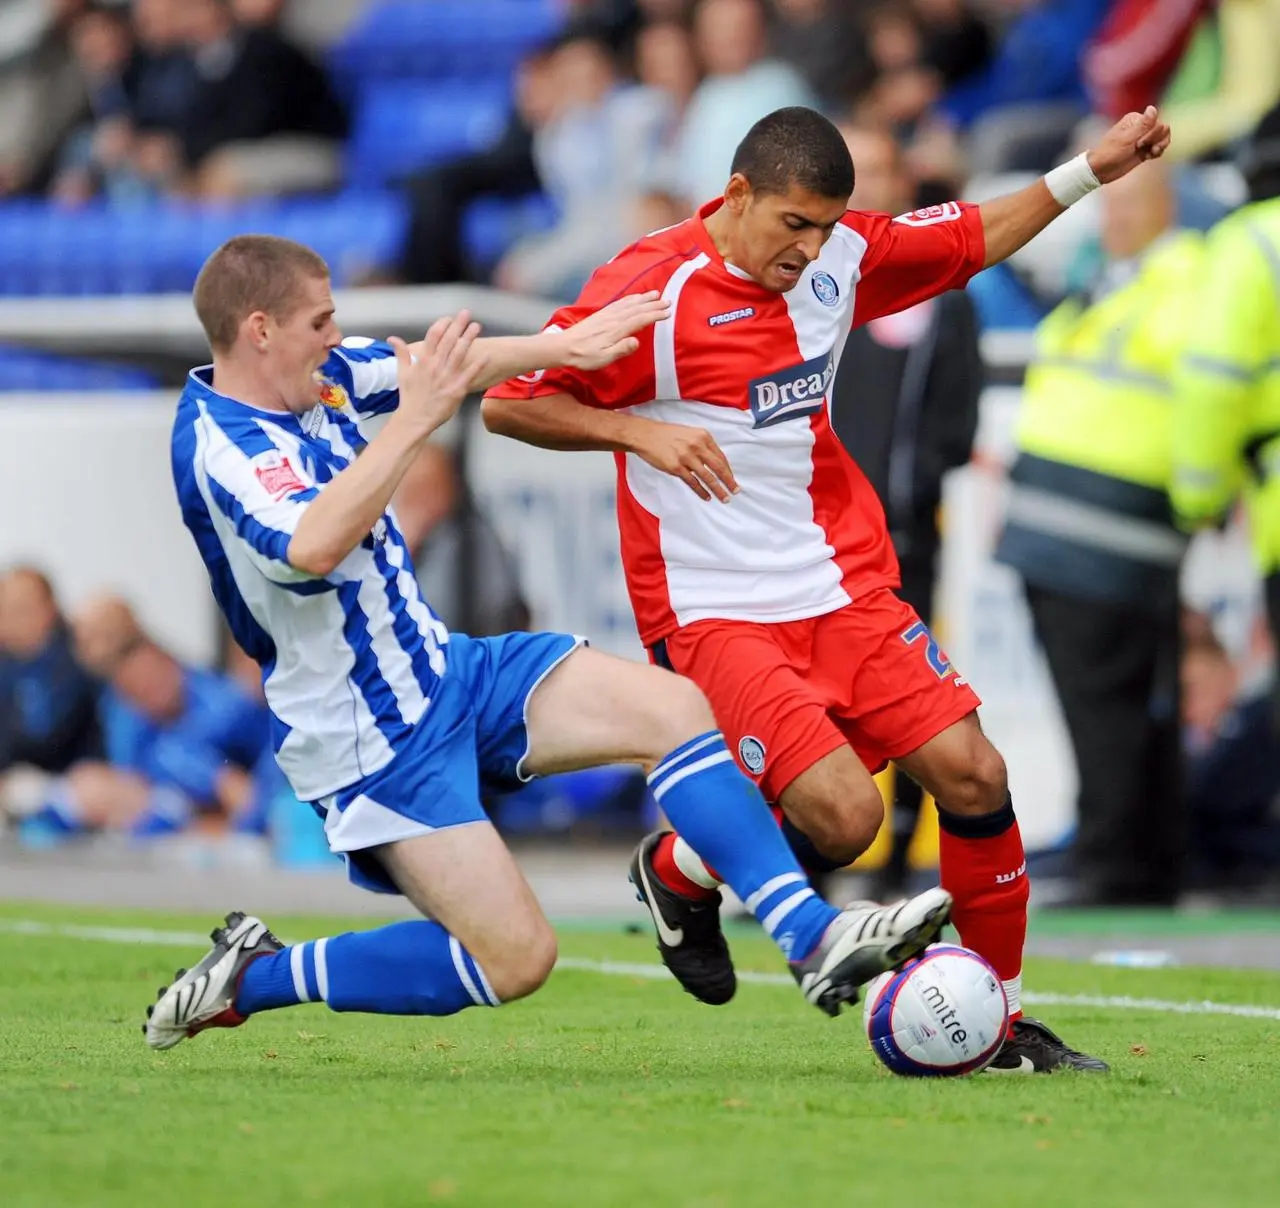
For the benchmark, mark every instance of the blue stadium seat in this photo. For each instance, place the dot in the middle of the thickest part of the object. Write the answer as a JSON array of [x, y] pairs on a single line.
[[493, 224], [28, 370], [400, 127], [159, 248], [464, 40]]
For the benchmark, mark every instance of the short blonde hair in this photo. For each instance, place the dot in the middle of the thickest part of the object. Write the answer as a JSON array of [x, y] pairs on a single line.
[[250, 273]]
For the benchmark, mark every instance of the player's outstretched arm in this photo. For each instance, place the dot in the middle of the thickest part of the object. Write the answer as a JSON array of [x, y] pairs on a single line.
[[433, 382], [1012, 221], [598, 340], [560, 422]]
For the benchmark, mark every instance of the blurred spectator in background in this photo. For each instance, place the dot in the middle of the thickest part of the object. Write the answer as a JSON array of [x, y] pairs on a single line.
[[48, 702], [822, 39], [1226, 434], [461, 564], [666, 60], [95, 156], [259, 14], [264, 117], [1130, 61], [1233, 772], [958, 43], [742, 83], [162, 77], [905, 405], [1090, 529], [1018, 112], [180, 742], [595, 157], [434, 248], [904, 84], [42, 97], [1212, 67]]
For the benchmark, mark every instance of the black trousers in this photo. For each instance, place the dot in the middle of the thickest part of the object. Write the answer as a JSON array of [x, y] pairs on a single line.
[[439, 198], [1272, 586], [919, 567], [1116, 671]]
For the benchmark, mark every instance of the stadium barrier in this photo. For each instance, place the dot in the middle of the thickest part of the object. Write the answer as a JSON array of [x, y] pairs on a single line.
[[85, 491]]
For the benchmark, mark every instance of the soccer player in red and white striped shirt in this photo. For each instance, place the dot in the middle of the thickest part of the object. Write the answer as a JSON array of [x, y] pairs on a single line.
[[773, 589]]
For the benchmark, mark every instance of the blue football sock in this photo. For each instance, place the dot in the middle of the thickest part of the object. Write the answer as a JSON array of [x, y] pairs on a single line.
[[722, 816], [411, 968]]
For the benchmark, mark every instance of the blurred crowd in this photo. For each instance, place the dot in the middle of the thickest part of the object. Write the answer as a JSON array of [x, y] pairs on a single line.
[[148, 98], [106, 732], [627, 118], [1143, 418]]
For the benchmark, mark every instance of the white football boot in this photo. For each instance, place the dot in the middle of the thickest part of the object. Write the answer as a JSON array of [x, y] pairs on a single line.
[[865, 940], [204, 996]]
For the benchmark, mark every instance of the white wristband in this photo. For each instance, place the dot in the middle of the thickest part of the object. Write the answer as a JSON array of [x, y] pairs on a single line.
[[1071, 181]]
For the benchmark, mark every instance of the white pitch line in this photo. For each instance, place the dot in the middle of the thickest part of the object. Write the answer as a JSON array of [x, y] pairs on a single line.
[[187, 939]]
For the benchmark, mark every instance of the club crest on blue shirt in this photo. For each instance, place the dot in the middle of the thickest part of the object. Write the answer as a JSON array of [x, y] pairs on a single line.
[[333, 395], [825, 288]]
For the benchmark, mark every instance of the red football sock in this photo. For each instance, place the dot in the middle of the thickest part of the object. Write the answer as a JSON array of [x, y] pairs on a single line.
[[984, 868], [669, 873]]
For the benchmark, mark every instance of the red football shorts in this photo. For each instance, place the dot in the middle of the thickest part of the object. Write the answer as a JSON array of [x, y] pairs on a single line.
[[869, 675]]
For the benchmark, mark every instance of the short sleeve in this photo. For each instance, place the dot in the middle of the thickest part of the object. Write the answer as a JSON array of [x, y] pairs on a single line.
[[915, 256], [261, 490], [362, 378], [627, 381]]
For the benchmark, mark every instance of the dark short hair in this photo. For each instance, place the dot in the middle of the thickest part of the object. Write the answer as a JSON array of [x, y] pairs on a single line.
[[795, 146], [250, 273]]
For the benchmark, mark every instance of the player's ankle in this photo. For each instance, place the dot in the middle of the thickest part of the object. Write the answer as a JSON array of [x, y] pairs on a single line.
[[667, 868]]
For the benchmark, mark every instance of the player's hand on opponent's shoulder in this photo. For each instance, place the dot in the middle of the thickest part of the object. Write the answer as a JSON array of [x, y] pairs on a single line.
[[610, 333], [1135, 138], [437, 372], [690, 454]]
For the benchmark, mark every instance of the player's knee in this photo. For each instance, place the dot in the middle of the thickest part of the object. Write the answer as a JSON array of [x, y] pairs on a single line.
[[982, 784], [844, 831], [525, 964], [676, 714]]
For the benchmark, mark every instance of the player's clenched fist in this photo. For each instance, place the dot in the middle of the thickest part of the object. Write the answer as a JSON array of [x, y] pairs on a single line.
[[690, 454]]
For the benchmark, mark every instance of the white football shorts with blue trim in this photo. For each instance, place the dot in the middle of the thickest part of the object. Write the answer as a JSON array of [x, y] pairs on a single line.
[[472, 739]]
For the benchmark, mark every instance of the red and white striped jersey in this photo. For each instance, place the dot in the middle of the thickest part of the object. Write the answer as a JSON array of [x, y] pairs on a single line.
[[806, 534]]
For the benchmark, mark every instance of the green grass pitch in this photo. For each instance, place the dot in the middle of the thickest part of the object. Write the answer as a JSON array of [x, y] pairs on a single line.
[[607, 1090]]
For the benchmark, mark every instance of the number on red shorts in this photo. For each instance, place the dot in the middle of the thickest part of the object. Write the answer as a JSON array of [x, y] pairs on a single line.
[[932, 652]]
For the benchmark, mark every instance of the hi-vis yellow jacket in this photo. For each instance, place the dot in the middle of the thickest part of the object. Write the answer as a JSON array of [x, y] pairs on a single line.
[[1088, 511], [1226, 432]]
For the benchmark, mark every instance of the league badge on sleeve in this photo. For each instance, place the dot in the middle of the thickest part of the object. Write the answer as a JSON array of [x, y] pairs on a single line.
[[277, 476], [949, 211]]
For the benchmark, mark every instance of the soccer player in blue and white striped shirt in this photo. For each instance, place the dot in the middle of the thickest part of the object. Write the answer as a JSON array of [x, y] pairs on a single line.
[[389, 724]]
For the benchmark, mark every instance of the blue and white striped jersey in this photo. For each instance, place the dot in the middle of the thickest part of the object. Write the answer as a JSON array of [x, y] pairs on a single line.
[[350, 661]]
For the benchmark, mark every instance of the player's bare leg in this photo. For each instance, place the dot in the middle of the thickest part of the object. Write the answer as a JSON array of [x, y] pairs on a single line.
[[595, 709], [484, 941], [466, 879], [833, 810], [984, 866]]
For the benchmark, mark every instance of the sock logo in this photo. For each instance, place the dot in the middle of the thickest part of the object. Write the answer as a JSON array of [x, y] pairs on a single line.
[[751, 751], [1006, 878]]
